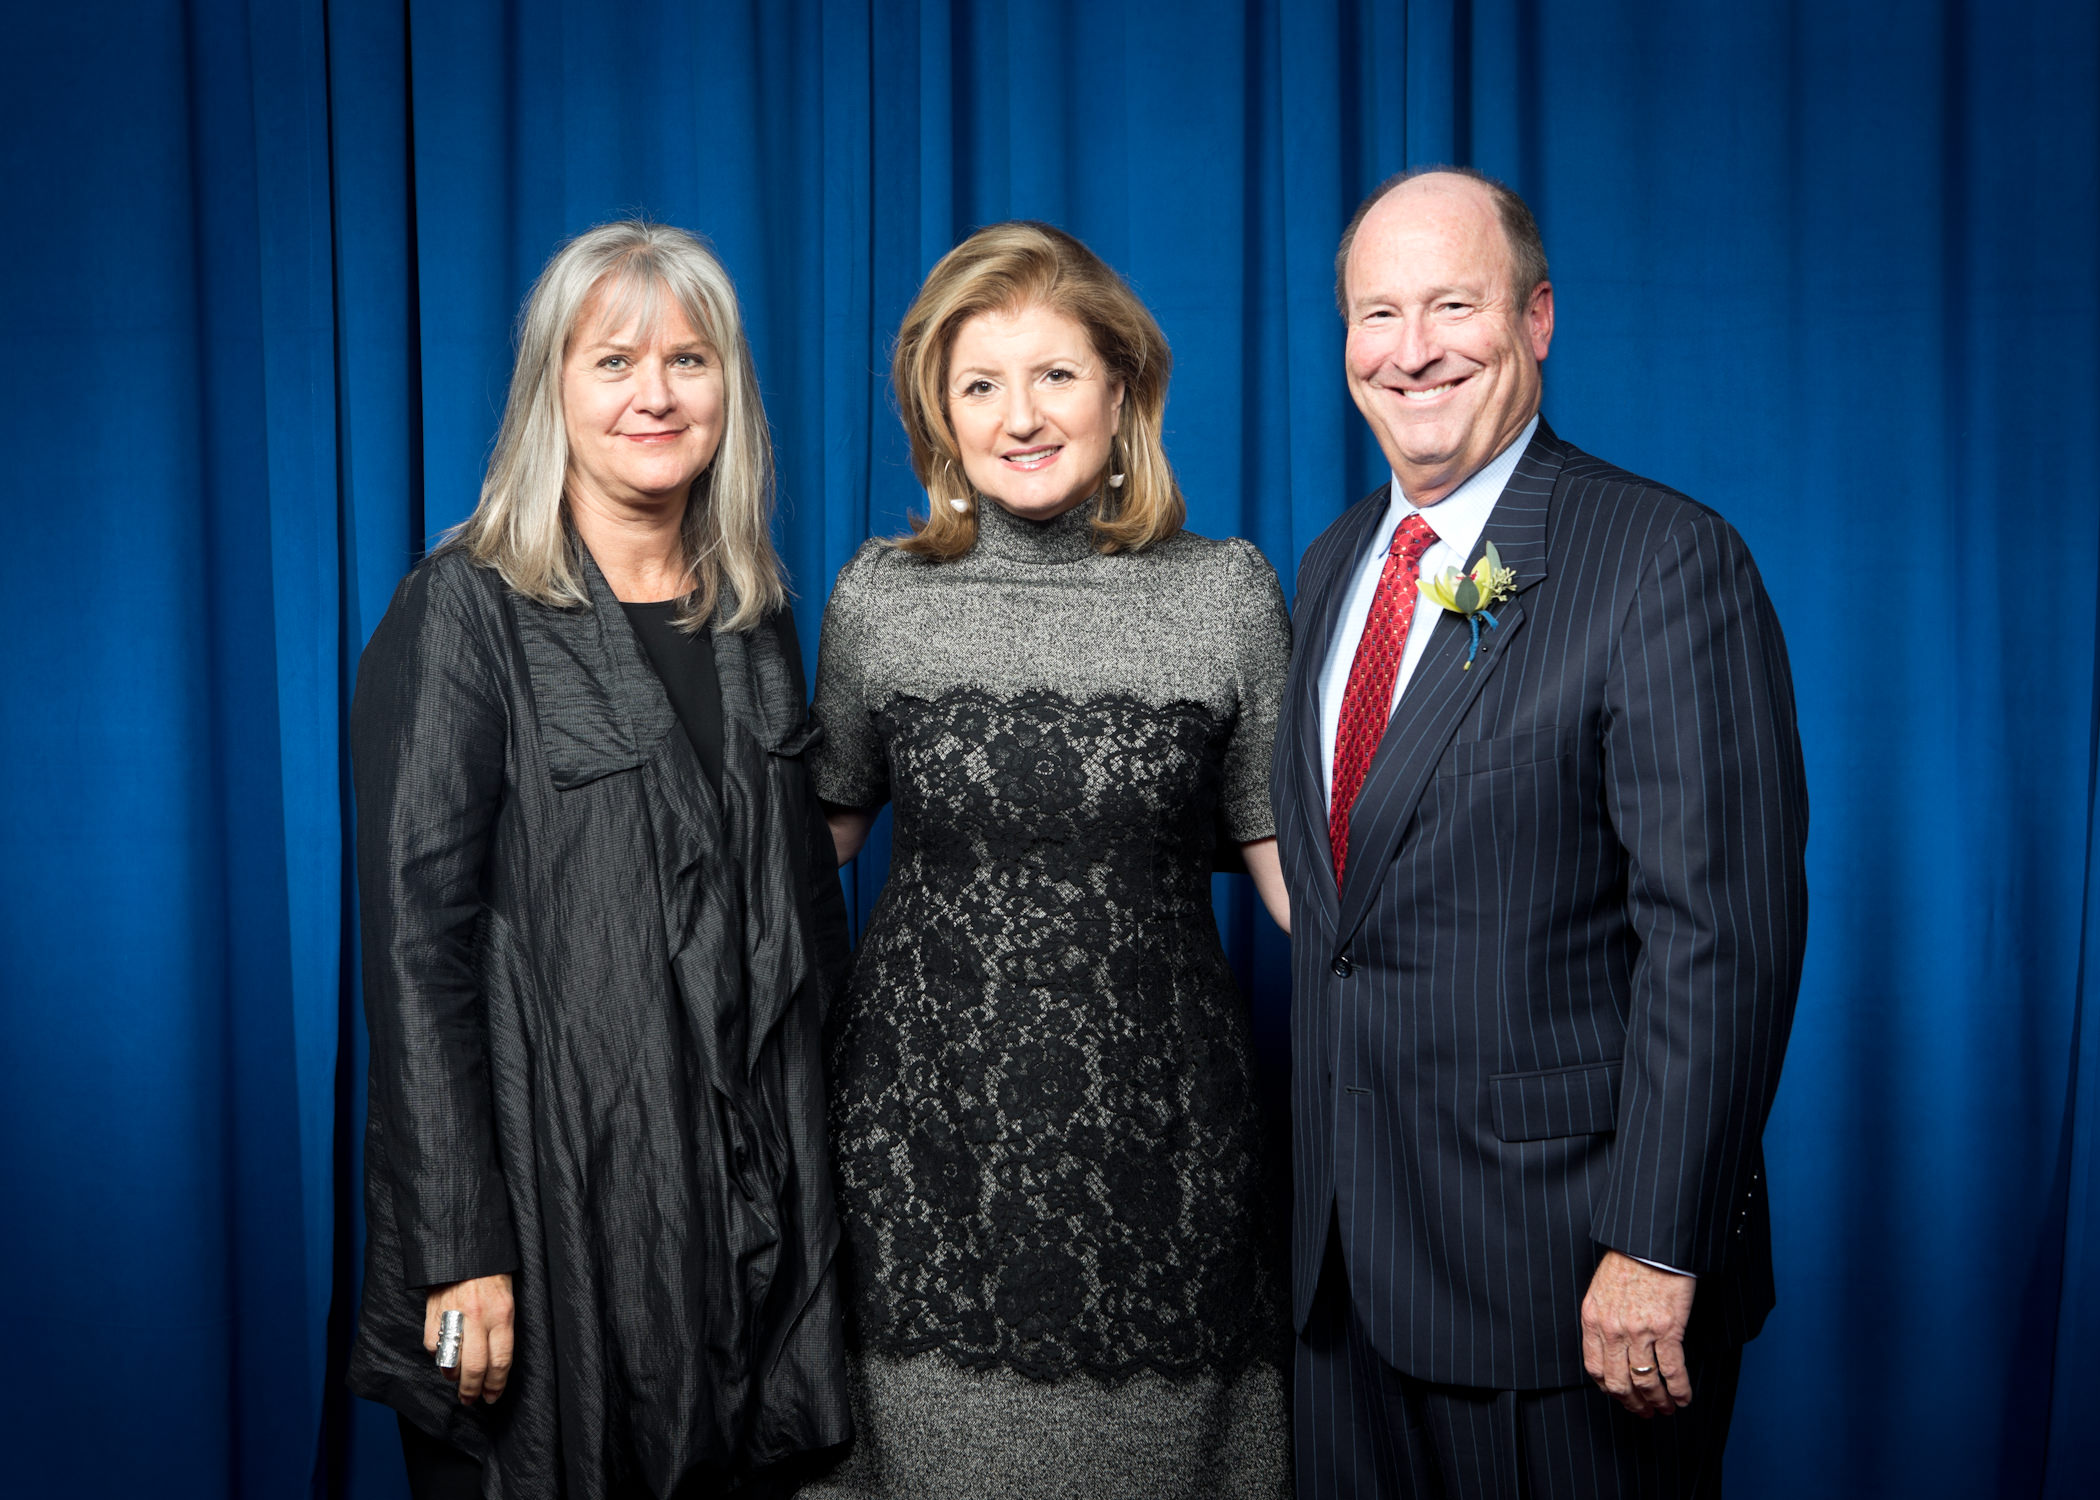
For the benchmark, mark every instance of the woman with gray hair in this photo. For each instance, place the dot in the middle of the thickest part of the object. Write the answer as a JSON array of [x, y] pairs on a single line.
[[601, 927]]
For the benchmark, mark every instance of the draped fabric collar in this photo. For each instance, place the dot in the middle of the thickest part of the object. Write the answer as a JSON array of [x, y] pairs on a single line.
[[601, 707], [727, 879], [1068, 538], [602, 710]]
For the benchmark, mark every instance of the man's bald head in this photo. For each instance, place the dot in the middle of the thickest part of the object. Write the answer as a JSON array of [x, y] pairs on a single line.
[[1527, 252], [1441, 353]]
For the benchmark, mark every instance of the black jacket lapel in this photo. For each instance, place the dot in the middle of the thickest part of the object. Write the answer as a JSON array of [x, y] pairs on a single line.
[[766, 729], [600, 707], [1320, 611], [758, 687], [1443, 688]]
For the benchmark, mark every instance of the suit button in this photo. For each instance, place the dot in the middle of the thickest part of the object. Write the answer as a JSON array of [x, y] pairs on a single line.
[[1342, 967]]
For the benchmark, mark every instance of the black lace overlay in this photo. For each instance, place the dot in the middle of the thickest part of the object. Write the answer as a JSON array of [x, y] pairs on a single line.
[[1043, 1103]]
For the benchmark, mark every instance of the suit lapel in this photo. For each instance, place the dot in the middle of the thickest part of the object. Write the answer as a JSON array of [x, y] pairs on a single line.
[[1320, 611], [1443, 688]]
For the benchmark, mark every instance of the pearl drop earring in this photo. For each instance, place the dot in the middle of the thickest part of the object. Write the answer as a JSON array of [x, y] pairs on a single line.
[[1115, 481], [960, 505]]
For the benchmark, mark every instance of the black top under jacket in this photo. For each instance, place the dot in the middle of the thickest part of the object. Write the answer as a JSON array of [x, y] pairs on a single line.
[[685, 662], [595, 987]]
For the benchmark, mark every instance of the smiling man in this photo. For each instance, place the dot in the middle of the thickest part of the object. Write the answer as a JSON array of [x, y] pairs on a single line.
[[1545, 859]]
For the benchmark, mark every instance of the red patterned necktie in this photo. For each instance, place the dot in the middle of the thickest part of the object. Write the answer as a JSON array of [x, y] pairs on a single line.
[[1368, 700]]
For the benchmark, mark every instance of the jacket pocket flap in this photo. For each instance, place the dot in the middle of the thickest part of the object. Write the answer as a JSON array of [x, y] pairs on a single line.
[[1581, 1100], [800, 740], [1503, 753]]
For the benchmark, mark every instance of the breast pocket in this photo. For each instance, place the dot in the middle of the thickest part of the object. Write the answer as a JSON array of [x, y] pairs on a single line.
[[1503, 827]]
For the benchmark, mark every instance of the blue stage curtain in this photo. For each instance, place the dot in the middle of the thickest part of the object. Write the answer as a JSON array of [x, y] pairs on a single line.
[[1829, 268]]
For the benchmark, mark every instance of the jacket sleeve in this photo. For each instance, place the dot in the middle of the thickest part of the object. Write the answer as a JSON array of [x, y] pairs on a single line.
[[427, 735], [829, 929], [1705, 787]]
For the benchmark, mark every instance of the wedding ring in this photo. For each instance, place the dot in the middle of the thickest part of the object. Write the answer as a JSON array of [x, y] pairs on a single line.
[[452, 1327], [1644, 1369]]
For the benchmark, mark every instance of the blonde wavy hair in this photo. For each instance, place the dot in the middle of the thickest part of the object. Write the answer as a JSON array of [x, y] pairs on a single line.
[[1003, 268], [520, 526]]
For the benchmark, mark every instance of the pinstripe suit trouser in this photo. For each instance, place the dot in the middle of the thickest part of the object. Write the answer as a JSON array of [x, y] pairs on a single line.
[[1367, 1432]]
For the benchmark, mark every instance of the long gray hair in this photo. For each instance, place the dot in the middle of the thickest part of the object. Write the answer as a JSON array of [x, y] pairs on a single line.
[[520, 527]]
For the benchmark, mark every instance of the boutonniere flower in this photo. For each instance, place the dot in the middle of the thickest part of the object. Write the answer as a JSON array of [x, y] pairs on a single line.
[[1473, 594]]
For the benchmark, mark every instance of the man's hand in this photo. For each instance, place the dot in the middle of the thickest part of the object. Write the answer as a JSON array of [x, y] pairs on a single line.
[[485, 1346], [1633, 1320]]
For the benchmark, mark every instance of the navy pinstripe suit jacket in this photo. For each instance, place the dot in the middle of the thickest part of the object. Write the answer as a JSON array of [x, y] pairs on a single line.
[[1545, 1014]]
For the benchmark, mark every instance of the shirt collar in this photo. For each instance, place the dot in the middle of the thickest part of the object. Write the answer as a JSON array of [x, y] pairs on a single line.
[[1460, 517]]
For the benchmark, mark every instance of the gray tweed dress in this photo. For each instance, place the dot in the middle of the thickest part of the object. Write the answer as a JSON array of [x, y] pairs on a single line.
[[1056, 1257]]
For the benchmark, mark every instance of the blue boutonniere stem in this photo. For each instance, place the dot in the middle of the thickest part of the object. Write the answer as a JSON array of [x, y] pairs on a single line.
[[1474, 620]]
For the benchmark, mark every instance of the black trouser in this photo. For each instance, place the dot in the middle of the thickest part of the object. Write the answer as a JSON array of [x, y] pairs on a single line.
[[1367, 1432]]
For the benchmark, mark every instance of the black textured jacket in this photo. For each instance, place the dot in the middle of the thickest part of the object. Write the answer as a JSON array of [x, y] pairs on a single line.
[[595, 991]]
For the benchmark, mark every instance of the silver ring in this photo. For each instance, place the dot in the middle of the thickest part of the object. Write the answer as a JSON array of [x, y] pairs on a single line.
[[452, 1327]]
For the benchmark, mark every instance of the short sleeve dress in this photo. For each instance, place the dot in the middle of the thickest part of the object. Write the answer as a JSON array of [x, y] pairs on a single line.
[[1059, 1273]]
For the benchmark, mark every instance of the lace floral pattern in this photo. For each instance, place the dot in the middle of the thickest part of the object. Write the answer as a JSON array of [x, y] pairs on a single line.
[[1043, 1104]]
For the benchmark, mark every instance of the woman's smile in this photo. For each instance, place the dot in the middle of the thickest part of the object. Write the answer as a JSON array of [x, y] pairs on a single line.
[[1027, 392], [643, 408]]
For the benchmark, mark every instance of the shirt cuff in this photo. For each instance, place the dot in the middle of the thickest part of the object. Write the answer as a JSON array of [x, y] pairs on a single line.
[[1661, 1267]]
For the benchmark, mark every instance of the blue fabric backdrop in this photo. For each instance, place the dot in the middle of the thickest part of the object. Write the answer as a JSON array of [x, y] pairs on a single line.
[[1828, 267]]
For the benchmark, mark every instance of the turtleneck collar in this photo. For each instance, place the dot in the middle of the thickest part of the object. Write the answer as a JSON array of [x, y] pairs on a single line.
[[1068, 538]]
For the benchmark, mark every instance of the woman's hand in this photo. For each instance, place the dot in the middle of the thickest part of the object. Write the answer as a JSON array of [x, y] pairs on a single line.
[[1267, 872], [849, 828], [485, 1346]]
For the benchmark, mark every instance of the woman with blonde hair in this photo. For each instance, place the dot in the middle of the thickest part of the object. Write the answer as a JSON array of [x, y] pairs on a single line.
[[601, 925], [1058, 1272]]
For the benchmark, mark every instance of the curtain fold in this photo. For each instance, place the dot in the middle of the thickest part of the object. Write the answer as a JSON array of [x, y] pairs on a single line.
[[1826, 268], [2072, 1456], [170, 892]]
